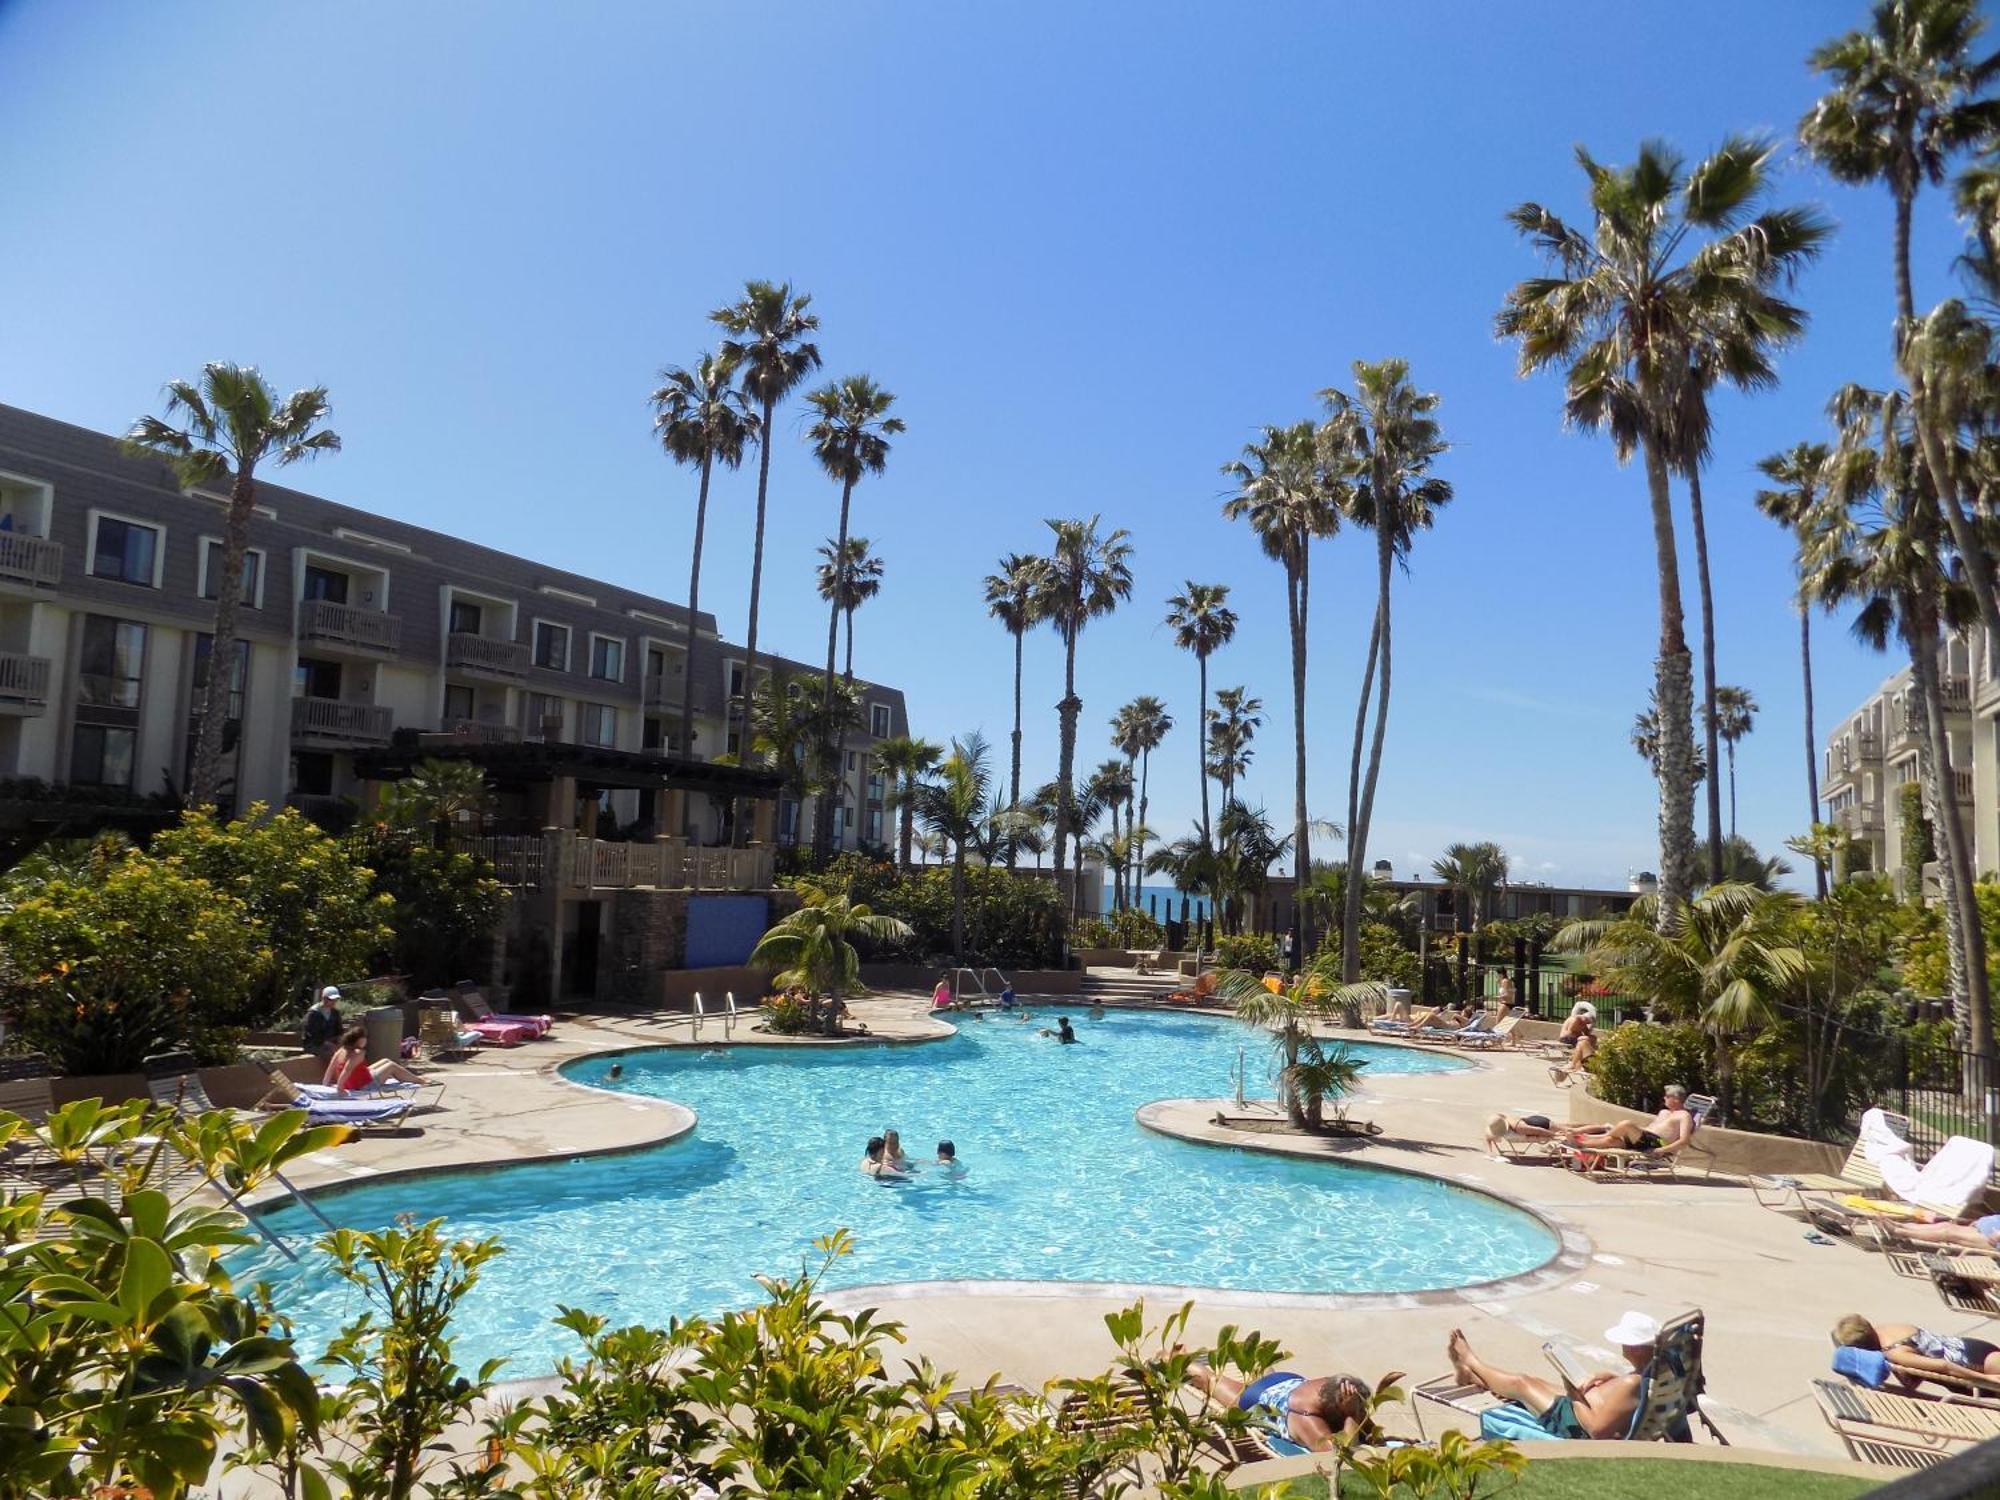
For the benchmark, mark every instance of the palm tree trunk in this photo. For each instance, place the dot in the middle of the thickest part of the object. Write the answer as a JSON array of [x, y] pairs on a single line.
[[744, 753], [1358, 843], [1714, 787], [1812, 743], [847, 670], [1905, 195], [1138, 858], [694, 605], [1066, 712], [1674, 686], [909, 812], [1014, 773], [1301, 847], [1972, 548], [1201, 747], [1350, 906], [958, 901], [1731, 751], [205, 775], [823, 823], [1955, 864], [1130, 877]]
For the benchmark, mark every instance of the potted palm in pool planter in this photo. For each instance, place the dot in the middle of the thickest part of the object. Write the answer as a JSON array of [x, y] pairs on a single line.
[[1311, 1071], [813, 948]]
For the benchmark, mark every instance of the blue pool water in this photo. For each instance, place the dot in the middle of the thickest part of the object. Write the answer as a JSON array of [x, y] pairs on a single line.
[[1062, 1185]]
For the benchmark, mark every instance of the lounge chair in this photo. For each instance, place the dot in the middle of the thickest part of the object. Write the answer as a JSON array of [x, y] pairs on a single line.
[[1478, 1032], [359, 1111], [439, 1035], [1205, 984], [174, 1083], [1869, 1370], [468, 995], [1629, 1161], [1670, 1387], [1786, 1192], [1499, 1034], [25, 1087], [292, 1094], [1389, 1026], [1906, 1432]]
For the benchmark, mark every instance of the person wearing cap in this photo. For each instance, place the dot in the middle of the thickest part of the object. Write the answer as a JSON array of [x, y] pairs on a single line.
[[323, 1023], [1672, 1125], [1600, 1408]]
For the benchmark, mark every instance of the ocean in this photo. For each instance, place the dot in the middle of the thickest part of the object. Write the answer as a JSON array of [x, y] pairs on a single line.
[[1163, 901]]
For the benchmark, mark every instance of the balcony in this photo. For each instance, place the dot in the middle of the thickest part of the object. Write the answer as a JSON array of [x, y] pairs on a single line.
[[1961, 785], [333, 813], [1956, 694], [33, 560], [330, 721], [484, 656], [663, 694], [1867, 744], [477, 732], [343, 627], [24, 685], [1859, 821], [574, 863]]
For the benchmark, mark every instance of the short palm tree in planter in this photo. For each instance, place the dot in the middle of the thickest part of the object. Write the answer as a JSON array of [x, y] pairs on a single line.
[[814, 947], [1310, 1073]]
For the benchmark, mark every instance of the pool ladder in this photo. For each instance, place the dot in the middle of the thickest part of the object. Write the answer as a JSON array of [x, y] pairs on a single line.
[[729, 1013], [978, 977]]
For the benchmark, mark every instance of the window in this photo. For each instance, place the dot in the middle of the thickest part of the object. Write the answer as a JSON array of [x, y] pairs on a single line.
[[552, 646], [736, 679], [316, 679], [788, 821], [101, 756], [840, 823], [607, 658], [466, 617], [875, 787], [111, 662], [312, 774], [545, 717], [600, 724], [211, 572], [735, 740], [204, 648], [853, 761], [125, 551], [457, 702], [874, 825], [878, 720], [324, 583]]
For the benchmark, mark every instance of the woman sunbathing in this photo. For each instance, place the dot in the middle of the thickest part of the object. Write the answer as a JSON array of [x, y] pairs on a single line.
[[1914, 1353], [1520, 1128], [1981, 1234], [349, 1069], [1309, 1412]]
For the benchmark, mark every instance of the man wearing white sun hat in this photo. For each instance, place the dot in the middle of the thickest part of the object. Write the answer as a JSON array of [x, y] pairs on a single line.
[[1531, 1407]]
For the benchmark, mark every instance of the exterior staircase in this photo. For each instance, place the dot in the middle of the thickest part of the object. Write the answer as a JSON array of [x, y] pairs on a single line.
[[1125, 987]]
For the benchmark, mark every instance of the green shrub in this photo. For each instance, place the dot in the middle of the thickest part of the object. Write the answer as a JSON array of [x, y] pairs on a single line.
[[785, 1015], [446, 907], [1091, 932], [1384, 957], [1635, 1061], [1132, 928], [1257, 955]]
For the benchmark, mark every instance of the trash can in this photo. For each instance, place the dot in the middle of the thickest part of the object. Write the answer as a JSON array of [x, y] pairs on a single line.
[[385, 1032], [1399, 1004]]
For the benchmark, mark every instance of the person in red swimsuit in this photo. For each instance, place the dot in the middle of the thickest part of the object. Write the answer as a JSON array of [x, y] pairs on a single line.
[[350, 1071]]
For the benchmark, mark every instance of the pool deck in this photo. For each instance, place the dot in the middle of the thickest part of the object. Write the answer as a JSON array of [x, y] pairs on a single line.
[[1662, 1246]]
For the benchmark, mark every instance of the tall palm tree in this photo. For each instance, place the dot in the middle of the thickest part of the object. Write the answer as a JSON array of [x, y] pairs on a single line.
[[1088, 573], [1678, 262], [223, 426], [1137, 730], [770, 348], [951, 806], [850, 438], [848, 584], [1474, 872], [1010, 599], [1111, 785], [1646, 740], [1876, 540], [1792, 502], [1203, 623], [906, 762], [1288, 498], [700, 417], [434, 795], [1232, 724], [1385, 433], [1949, 360], [1735, 713]]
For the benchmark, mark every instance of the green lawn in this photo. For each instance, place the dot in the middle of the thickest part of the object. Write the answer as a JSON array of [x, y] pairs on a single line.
[[1649, 1479]]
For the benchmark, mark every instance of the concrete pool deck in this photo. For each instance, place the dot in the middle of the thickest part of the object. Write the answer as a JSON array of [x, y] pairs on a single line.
[[1663, 1246]]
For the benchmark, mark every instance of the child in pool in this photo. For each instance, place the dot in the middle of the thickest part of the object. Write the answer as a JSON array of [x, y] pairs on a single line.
[[947, 1160], [892, 1152]]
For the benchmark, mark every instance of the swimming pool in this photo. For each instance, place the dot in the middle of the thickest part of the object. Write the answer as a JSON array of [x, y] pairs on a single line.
[[1062, 1185]]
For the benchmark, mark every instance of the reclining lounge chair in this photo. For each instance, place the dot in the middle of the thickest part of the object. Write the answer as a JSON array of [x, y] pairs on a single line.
[[487, 1021]]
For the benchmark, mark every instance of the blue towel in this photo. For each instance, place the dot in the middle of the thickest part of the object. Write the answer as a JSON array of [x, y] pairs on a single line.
[[1868, 1366]]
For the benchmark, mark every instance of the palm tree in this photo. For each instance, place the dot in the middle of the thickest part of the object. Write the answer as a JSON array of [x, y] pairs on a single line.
[[1203, 623], [1625, 314], [1010, 599], [1724, 960], [1949, 360], [1137, 730], [1474, 872], [222, 427], [1646, 740], [1735, 713], [1385, 436], [1286, 495], [906, 762], [790, 724], [700, 417], [1876, 540], [1232, 725], [770, 349], [1796, 473], [850, 438], [1111, 786], [1086, 575], [849, 584], [952, 806], [1289, 1013], [814, 946], [1743, 865], [436, 794]]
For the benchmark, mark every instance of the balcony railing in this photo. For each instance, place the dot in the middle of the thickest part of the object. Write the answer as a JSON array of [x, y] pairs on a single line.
[[663, 694], [1961, 784], [30, 559], [24, 683], [481, 731], [578, 863], [1859, 820], [346, 625], [1868, 744], [331, 719], [485, 655]]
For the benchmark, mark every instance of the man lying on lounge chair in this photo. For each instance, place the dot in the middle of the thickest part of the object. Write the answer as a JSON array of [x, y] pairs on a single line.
[[1601, 1407], [1672, 1125]]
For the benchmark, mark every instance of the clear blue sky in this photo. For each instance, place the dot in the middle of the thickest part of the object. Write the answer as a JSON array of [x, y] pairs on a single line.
[[1091, 248]]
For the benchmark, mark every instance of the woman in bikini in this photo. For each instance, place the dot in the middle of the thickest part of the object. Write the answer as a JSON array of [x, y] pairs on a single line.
[[1311, 1412], [1914, 1353], [350, 1071]]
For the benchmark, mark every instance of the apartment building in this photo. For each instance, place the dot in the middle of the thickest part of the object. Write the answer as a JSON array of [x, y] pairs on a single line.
[[354, 627], [1872, 754]]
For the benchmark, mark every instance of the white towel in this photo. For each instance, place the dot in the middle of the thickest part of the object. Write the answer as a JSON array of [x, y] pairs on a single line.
[[1954, 1177], [1889, 1154]]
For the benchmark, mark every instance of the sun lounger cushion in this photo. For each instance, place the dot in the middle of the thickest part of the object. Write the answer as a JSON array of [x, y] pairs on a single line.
[[1868, 1366], [384, 1088], [355, 1111], [505, 1032], [1887, 1207]]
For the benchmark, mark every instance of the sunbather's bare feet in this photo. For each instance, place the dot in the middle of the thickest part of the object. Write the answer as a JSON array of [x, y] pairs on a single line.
[[1458, 1349]]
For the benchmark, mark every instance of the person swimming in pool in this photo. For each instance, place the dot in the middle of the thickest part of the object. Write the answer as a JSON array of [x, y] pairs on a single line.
[[1062, 1033], [947, 1160], [875, 1160], [1311, 1412], [892, 1151]]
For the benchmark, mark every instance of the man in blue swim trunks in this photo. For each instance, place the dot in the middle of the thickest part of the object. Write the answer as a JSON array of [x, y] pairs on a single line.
[[1601, 1407]]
